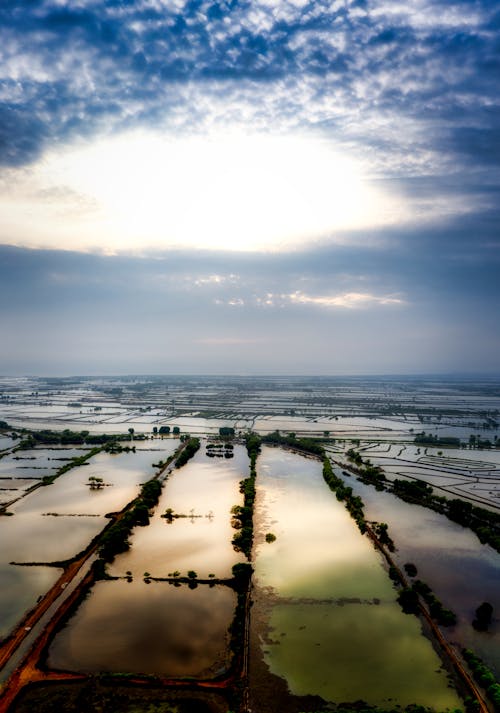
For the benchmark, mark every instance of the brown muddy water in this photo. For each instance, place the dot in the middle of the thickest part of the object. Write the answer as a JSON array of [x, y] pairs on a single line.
[[154, 628]]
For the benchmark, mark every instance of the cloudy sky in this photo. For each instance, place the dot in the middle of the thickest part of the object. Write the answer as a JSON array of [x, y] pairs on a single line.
[[263, 187]]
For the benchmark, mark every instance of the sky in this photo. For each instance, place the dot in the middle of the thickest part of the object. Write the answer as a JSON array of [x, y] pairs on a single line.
[[264, 187]]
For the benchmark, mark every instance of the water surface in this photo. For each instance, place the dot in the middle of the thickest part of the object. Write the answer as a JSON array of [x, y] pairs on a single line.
[[204, 490], [334, 628], [462, 572], [151, 628]]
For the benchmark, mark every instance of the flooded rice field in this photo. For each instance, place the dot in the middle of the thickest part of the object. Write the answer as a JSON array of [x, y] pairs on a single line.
[[21, 587], [357, 407], [153, 628], [121, 474], [461, 571], [472, 474], [57, 521], [139, 625], [202, 493], [327, 619], [325, 625]]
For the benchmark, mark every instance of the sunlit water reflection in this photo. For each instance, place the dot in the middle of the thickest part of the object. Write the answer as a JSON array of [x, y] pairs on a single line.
[[151, 628], [31, 535], [461, 571], [204, 489], [321, 644]]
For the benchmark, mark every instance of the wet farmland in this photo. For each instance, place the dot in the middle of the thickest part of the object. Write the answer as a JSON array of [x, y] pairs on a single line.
[[328, 621]]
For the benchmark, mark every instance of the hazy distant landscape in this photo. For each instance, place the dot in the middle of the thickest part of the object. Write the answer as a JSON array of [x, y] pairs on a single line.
[[240, 581]]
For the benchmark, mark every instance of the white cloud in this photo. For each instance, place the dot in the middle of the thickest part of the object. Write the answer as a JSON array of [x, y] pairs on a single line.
[[347, 300]]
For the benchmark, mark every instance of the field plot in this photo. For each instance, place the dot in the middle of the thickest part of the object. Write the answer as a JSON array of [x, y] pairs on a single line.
[[469, 474], [198, 537], [460, 570], [22, 469], [348, 407], [151, 619], [151, 628], [328, 622], [55, 522]]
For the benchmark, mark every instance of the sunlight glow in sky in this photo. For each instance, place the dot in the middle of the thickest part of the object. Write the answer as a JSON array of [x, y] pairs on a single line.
[[235, 191], [261, 186]]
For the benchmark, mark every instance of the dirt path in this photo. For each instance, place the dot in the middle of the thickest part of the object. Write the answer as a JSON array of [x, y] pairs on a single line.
[[22, 630]]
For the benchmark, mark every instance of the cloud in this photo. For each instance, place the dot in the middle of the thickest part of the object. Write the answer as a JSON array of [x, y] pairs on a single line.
[[414, 82], [407, 307], [407, 91], [348, 300]]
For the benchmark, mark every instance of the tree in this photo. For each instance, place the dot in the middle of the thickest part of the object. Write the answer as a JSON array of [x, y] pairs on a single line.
[[484, 614], [410, 569], [131, 431]]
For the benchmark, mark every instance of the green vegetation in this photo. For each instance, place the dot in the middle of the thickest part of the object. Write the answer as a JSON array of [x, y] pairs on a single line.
[[408, 598], [381, 530], [116, 538], [192, 445], [64, 438], [95, 483], [483, 676], [410, 569], [242, 519], [242, 573], [443, 616], [270, 537], [353, 503], [484, 614], [427, 439], [413, 491], [368, 473], [306, 445]]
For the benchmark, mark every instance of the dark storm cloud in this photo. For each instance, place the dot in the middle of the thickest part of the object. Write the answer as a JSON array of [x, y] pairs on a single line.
[[77, 68]]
